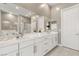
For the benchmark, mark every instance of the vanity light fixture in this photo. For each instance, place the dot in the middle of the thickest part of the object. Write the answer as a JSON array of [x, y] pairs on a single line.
[[37, 16], [15, 23], [6, 22], [42, 5], [33, 17], [10, 15], [57, 8], [27, 15]]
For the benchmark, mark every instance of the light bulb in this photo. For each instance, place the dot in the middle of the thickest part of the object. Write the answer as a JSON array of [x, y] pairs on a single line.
[[6, 22], [57, 8], [43, 5], [17, 7]]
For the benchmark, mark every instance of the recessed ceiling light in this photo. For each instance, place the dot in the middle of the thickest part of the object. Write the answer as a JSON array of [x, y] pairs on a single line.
[[57, 8], [36, 16], [15, 23], [27, 15], [33, 17], [10, 15], [17, 7], [42, 5]]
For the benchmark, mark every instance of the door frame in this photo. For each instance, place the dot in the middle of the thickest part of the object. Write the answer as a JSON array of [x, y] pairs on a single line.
[[63, 10]]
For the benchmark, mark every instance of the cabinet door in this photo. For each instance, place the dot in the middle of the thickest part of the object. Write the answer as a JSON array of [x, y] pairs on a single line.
[[27, 51], [7, 48], [55, 39], [38, 49], [41, 48], [14, 53], [10, 53], [51, 42]]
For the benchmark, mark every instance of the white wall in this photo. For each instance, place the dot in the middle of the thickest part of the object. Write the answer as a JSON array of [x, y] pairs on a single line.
[[56, 15]]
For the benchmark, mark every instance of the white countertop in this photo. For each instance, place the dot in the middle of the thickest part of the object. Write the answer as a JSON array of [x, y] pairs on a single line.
[[37, 35], [29, 36]]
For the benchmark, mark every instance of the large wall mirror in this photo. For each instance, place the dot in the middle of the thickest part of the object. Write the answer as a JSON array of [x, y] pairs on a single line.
[[8, 21], [25, 24], [53, 25]]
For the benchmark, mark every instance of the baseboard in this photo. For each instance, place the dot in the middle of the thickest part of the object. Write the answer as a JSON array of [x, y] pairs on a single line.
[[61, 45], [51, 50]]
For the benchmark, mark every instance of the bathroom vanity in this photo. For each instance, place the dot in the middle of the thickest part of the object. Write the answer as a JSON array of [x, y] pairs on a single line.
[[33, 44]]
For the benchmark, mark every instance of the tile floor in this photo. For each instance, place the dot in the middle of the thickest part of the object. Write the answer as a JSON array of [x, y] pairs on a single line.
[[62, 51]]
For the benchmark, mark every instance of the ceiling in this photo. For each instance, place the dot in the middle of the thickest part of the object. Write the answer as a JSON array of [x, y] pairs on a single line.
[[45, 11]]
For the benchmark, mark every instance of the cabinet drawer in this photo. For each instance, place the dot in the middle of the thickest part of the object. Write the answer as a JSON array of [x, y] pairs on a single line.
[[8, 49], [27, 51], [45, 43], [26, 43], [41, 47], [13, 53], [40, 39]]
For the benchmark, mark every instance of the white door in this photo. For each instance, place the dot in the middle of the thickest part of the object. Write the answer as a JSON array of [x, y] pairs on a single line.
[[70, 27]]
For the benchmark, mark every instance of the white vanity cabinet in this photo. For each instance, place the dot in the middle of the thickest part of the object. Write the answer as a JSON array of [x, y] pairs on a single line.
[[14, 53], [26, 47], [34, 46], [45, 47], [44, 44], [41, 47], [53, 40], [27, 51], [9, 48]]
